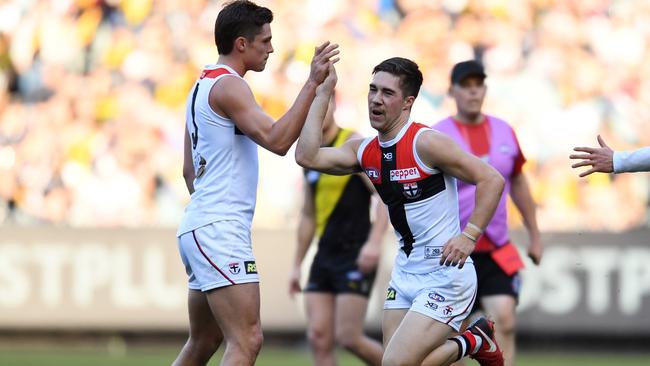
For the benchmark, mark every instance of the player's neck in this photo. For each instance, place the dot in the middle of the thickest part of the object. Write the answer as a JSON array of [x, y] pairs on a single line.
[[469, 119], [233, 62], [394, 128]]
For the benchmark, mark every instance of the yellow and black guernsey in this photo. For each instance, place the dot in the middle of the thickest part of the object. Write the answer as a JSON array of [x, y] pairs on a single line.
[[342, 214], [341, 206]]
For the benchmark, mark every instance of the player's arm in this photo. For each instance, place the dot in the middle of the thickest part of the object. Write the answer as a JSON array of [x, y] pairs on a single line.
[[631, 161], [380, 223], [523, 200], [309, 153], [236, 100], [440, 151], [370, 253], [306, 231], [331, 160], [368, 258], [188, 166]]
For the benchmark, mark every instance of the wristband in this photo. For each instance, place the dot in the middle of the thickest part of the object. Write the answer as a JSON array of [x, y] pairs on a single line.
[[469, 236], [470, 225]]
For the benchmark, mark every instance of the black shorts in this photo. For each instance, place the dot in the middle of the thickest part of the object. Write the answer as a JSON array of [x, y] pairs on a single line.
[[338, 274], [492, 280]]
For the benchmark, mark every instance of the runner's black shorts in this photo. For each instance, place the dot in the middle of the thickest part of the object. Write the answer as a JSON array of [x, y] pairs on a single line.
[[338, 274], [492, 280]]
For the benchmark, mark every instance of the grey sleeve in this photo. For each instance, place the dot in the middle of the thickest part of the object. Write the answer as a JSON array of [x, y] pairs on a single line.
[[632, 161]]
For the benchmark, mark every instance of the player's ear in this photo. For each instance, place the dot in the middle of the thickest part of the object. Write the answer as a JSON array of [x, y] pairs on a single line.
[[240, 43], [408, 102]]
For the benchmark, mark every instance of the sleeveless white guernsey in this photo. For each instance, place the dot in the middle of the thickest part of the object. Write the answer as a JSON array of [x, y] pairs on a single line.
[[225, 161]]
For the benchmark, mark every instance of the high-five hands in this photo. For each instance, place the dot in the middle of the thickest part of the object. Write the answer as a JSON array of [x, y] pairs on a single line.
[[329, 83], [324, 58]]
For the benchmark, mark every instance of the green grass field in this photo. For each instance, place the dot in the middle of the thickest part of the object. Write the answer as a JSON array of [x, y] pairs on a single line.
[[270, 356]]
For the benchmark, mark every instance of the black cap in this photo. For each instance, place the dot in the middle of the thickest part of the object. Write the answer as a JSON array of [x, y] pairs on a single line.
[[466, 69]]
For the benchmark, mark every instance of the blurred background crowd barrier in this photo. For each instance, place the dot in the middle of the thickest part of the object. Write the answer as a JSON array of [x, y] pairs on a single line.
[[91, 130], [131, 280]]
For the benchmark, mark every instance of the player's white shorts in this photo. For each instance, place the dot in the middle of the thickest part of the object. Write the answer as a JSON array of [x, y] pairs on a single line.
[[217, 255], [446, 294]]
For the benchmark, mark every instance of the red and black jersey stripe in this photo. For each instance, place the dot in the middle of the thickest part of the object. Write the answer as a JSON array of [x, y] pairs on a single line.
[[397, 192]]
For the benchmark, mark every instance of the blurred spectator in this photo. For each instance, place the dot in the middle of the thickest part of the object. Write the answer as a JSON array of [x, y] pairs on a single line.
[[92, 96]]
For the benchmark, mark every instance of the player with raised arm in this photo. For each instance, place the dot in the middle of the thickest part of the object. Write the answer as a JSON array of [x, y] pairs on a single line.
[[336, 209], [224, 125], [413, 168]]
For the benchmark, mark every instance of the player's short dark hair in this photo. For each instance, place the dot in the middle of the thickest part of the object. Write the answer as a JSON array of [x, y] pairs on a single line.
[[407, 71], [240, 18]]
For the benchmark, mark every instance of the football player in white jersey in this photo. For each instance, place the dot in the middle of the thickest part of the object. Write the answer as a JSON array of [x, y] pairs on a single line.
[[413, 168], [224, 125]]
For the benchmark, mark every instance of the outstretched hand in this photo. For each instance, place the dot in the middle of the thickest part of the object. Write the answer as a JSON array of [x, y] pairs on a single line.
[[599, 158], [324, 57]]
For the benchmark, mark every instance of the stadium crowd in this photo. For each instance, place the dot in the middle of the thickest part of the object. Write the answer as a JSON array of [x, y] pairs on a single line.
[[92, 97]]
